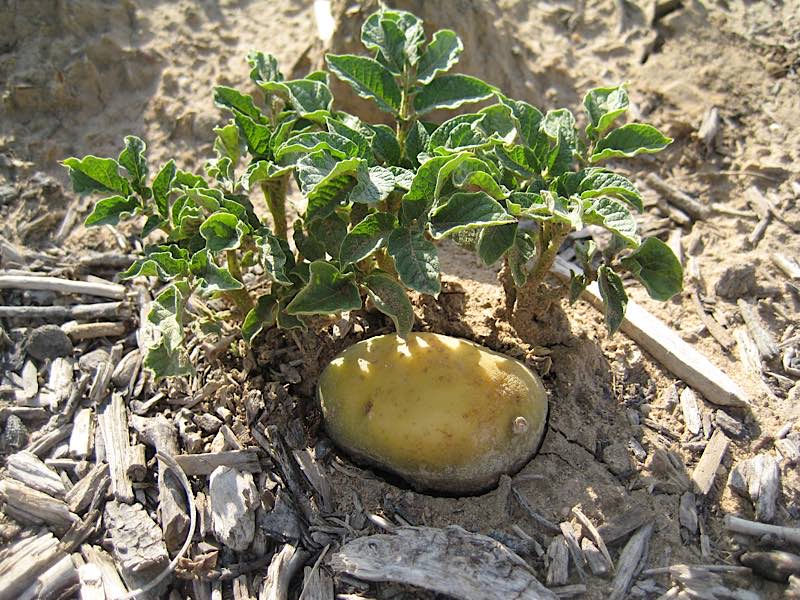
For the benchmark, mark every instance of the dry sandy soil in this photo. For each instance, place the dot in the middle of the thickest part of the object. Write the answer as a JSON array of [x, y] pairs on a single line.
[[78, 75]]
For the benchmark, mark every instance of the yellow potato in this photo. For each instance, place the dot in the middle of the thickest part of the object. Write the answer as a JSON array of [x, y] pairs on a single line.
[[443, 413]]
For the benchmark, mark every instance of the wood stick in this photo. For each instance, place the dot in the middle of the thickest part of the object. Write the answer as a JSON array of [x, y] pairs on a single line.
[[680, 199], [112, 582], [558, 561], [81, 494], [88, 331], [542, 522], [204, 464], [80, 441], [77, 312], [717, 331], [786, 264], [755, 529], [29, 469], [63, 286], [598, 539], [691, 414], [633, 553], [668, 348], [280, 572], [57, 578]]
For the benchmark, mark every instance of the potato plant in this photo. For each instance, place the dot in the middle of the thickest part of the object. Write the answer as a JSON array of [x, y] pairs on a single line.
[[508, 181]]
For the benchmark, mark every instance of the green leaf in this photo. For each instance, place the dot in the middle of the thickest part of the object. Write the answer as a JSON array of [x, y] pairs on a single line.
[[603, 106], [391, 299], [310, 248], [366, 237], [613, 215], [495, 242], [385, 146], [222, 231], [276, 257], [262, 170], [630, 140], [111, 210], [305, 143], [261, 316], [402, 178], [560, 126], [93, 174], [373, 184], [361, 140], [238, 103], [419, 198], [396, 35], [211, 277], [468, 179], [228, 144], [527, 120], [328, 291], [164, 262], [601, 183], [417, 139], [307, 96], [577, 283], [368, 78], [330, 231], [134, 161], [264, 67], [496, 121], [439, 56], [256, 135], [467, 210], [323, 179], [442, 133], [165, 361], [416, 260], [657, 268], [519, 160], [451, 91], [162, 186], [519, 254], [614, 297], [584, 254]]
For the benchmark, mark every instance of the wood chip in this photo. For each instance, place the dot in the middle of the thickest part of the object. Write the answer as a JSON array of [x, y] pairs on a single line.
[[30, 470], [775, 564], [281, 570], [574, 549], [233, 499], [557, 561], [759, 479], [597, 562], [717, 331], [786, 264], [632, 555], [23, 561], [112, 582], [767, 347], [706, 469], [667, 348], [449, 561], [35, 507], [113, 422], [80, 496], [159, 433], [687, 513], [60, 578], [748, 352], [81, 439], [136, 538], [205, 464], [691, 414], [593, 531]]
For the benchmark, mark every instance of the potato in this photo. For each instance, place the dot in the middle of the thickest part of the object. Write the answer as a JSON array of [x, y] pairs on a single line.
[[445, 414]]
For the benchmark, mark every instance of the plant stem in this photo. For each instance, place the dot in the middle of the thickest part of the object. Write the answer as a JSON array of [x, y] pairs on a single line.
[[275, 196], [406, 115], [240, 297], [552, 236]]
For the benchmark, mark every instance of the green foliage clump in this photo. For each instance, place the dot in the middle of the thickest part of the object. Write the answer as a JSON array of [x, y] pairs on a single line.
[[507, 181]]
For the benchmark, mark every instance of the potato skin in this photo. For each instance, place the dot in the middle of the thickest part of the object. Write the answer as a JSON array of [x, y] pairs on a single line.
[[445, 414]]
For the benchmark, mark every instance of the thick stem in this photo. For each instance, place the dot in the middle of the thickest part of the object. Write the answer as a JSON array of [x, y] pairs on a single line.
[[240, 297], [406, 116], [555, 236], [275, 196]]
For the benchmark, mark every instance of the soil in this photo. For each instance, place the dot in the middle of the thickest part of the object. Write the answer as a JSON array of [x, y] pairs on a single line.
[[77, 78]]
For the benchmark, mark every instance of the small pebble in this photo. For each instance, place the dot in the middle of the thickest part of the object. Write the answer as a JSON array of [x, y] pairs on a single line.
[[48, 341]]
